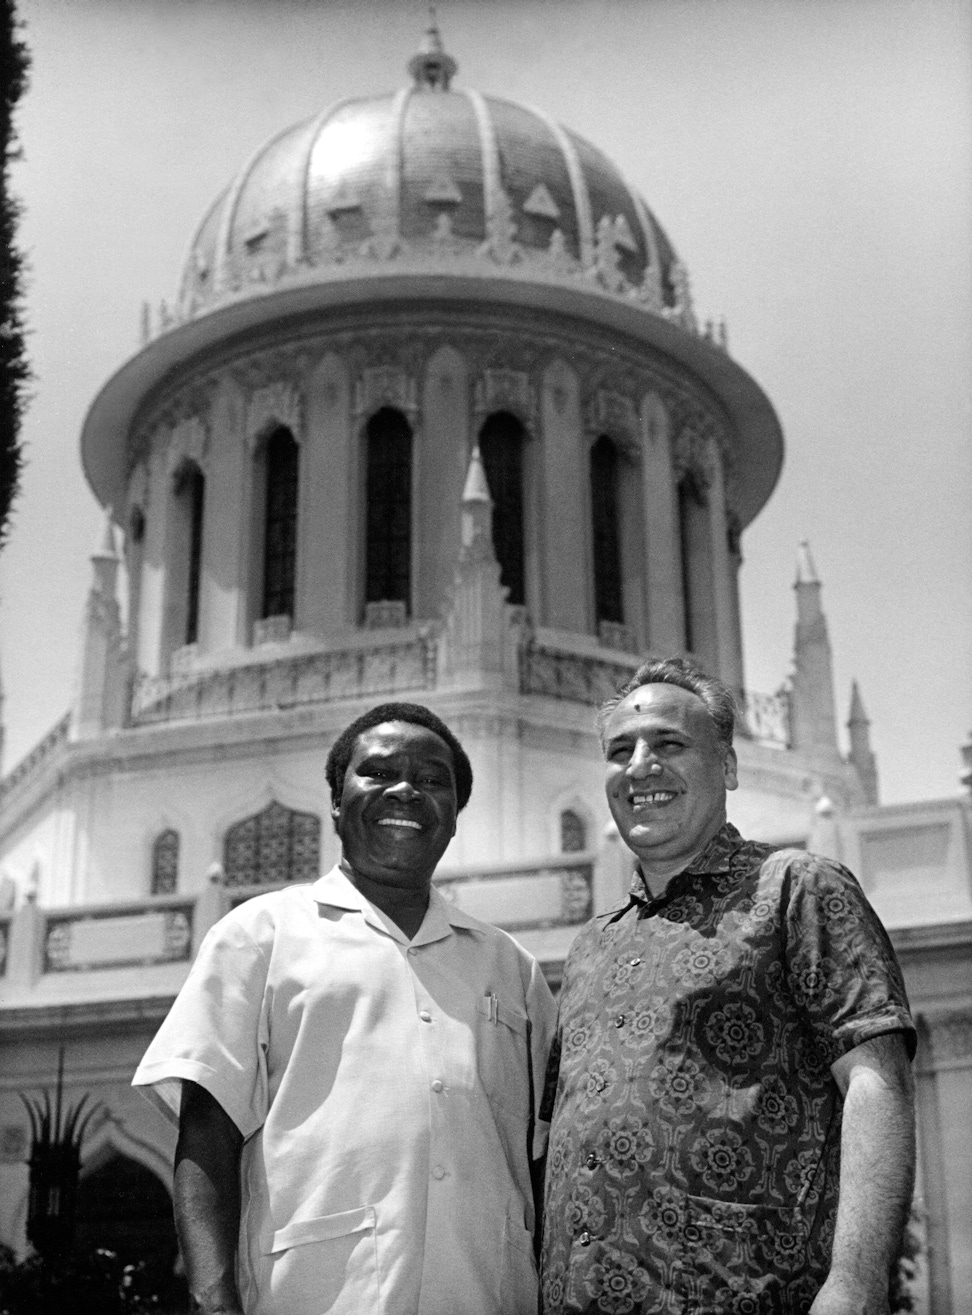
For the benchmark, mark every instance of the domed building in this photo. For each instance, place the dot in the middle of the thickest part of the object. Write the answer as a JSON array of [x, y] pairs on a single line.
[[430, 418]]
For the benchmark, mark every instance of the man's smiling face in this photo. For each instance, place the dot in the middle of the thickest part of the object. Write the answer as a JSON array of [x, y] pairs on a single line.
[[667, 775], [397, 811]]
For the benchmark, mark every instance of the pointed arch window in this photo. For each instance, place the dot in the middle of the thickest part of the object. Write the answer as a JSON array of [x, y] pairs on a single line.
[[278, 844], [573, 832], [165, 862], [190, 492], [282, 458], [501, 442], [605, 533], [388, 502]]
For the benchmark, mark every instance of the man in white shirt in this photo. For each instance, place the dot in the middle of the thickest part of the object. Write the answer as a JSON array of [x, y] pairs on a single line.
[[355, 1066]]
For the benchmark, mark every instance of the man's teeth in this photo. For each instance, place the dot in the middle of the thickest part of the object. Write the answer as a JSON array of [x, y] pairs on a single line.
[[400, 821], [656, 797]]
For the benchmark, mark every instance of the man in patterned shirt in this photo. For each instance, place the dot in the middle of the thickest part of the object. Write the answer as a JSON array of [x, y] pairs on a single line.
[[733, 1126]]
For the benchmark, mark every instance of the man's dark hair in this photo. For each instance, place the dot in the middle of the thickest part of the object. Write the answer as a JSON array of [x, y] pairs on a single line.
[[717, 697], [416, 715]]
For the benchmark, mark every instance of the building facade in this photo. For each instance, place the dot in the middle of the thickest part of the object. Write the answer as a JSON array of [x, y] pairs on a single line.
[[431, 418]]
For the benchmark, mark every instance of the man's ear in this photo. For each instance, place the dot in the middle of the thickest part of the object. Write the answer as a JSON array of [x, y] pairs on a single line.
[[730, 770]]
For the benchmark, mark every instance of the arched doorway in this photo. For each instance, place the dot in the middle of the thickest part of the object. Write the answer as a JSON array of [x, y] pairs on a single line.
[[123, 1207]]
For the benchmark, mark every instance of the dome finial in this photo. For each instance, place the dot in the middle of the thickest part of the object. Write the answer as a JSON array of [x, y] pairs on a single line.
[[430, 66]]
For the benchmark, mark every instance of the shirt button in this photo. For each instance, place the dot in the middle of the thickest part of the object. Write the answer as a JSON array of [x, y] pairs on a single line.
[[437, 1085], [592, 1161], [619, 1021], [585, 1238], [425, 1016], [634, 962], [438, 1172]]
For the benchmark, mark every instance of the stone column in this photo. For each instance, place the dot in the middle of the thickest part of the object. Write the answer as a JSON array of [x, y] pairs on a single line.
[[951, 1048], [152, 593], [728, 650], [222, 600], [663, 570], [441, 456], [328, 491], [564, 604]]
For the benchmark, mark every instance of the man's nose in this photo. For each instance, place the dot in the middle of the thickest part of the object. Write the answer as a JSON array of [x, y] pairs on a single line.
[[643, 761], [404, 790]]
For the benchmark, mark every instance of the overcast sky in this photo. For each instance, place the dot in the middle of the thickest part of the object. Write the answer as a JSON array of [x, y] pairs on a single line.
[[808, 158]]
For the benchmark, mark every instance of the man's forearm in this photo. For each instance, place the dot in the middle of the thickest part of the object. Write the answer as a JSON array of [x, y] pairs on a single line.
[[207, 1202], [877, 1170]]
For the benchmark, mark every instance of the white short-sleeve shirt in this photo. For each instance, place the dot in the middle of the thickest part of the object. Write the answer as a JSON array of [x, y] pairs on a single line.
[[386, 1089]]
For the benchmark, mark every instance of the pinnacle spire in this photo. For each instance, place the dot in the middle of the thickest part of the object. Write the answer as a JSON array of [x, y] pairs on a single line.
[[806, 571], [476, 487], [857, 715], [431, 68]]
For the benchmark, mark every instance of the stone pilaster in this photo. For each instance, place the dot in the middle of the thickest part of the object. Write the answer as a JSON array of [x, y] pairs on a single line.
[[666, 614]]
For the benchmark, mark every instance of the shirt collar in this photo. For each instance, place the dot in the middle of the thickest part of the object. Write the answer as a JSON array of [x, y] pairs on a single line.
[[715, 857], [441, 916]]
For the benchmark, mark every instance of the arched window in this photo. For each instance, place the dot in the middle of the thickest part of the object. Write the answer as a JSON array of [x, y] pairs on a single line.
[[501, 447], [573, 832], [606, 539], [190, 492], [281, 455], [388, 501], [276, 845], [165, 862]]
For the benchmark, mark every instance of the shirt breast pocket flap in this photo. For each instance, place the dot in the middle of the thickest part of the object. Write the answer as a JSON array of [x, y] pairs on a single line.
[[498, 1012], [322, 1229], [504, 1056]]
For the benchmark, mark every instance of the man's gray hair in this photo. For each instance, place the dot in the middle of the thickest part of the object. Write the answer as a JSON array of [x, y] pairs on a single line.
[[717, 697]]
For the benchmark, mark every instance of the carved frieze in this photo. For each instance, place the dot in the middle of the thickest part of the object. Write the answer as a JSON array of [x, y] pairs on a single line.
[[278, 403]]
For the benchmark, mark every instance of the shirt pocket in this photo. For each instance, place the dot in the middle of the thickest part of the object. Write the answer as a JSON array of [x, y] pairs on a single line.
[[503, 1054], [329, 1263], [736, 1251]]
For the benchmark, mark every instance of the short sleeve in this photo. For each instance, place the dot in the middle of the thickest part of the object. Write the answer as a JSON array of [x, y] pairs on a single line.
[[841, 968], [216, 1032]]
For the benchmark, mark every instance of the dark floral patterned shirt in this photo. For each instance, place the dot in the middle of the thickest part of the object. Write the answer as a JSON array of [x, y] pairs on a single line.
[[694, 1153]]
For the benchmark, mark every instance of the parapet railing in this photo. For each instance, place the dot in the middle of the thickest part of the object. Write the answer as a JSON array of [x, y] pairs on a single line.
[[289, 682]]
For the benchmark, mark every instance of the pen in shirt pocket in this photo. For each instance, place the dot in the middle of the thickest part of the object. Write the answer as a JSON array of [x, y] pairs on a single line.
[[492, 1004]]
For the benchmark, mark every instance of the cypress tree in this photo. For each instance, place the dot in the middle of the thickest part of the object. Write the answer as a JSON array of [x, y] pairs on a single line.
[[14, 370]]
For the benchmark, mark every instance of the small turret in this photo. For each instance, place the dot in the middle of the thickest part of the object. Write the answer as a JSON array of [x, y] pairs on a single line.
[[430, 66], [813, 721], [861, 755], [476, 634], [102, 688]]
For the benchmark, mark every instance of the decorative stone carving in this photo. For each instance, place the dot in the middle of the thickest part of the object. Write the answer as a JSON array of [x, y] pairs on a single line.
[[612, 634], [278, 403], [505, 390], [612, 413], [385, 615], [951, 1039], [576, 900], [271, 630], [501, 244], [189, 441], [385, 385]]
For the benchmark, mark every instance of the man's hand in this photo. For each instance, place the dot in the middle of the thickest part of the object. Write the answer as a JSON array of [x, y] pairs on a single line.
[[877, 1175], [207, 1200]]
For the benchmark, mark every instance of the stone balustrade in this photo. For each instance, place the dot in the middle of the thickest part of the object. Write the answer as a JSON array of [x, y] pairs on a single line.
[[380, 669]]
